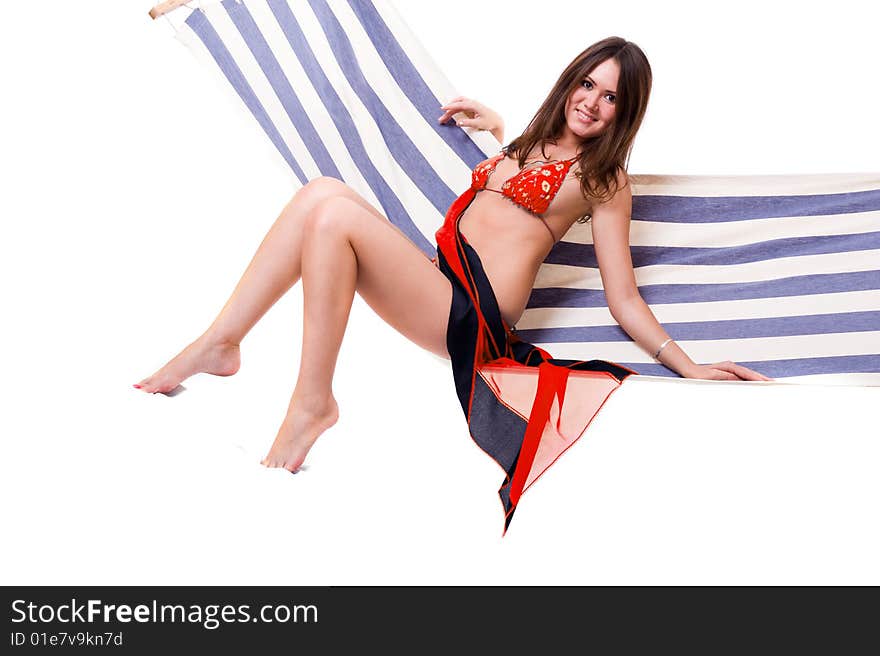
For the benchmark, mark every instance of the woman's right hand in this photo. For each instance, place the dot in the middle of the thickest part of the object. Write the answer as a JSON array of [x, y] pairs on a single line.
[[477, 116]]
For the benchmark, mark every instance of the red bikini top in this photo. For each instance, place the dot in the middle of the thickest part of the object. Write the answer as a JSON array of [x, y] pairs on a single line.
[[532, 187]]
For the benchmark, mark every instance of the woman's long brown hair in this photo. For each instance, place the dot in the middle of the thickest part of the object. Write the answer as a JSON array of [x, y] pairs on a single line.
[[603, 156]]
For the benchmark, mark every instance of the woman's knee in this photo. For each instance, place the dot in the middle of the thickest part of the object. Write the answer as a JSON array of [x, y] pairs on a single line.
[[309, 197], [316, 190], [331, 215], [323, 188]]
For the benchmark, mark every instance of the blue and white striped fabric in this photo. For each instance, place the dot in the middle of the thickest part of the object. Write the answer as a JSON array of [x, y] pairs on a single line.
[[780, 273]]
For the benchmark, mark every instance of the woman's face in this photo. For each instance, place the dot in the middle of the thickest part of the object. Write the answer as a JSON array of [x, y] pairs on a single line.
[[590, 108]]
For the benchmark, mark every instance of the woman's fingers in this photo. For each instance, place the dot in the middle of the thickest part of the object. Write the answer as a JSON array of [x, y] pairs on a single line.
[[726, 370], [451, 109], [740, 372], [455, 108], [723, 374], [472, 114], [473, 110], [462, 104], [754, 375], [748, 374]]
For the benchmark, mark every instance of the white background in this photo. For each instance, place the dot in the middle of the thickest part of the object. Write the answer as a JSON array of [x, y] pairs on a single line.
[[134, 194]]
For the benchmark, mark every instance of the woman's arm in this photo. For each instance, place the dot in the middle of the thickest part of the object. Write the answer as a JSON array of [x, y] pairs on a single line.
[[478, 116], [611, 222]]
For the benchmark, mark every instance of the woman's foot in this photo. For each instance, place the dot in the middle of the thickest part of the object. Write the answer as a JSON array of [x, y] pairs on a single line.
[[203, 355], [300, 429]]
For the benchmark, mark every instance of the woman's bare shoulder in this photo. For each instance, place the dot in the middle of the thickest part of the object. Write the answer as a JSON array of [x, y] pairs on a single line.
[[582, 201], [620, 201]]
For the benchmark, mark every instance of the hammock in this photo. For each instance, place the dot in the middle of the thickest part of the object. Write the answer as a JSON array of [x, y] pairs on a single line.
[[779, 273]]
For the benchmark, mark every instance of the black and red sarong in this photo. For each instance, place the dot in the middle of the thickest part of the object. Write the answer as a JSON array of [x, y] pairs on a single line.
[[523, 407]]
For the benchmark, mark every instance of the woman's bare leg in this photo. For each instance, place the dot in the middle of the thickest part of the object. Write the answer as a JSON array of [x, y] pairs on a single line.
[[347, 250], [275, 268]]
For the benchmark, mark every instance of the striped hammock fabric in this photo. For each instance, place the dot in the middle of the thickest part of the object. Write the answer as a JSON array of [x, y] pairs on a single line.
[[779, 273]]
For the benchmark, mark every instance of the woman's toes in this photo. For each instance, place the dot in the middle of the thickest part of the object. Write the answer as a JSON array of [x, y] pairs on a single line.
[[145, 385]]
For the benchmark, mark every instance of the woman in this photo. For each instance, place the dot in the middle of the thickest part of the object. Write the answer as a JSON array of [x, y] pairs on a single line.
[[338, 243]]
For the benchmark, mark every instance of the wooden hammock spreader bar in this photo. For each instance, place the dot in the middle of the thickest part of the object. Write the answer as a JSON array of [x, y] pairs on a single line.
[[165, 7]]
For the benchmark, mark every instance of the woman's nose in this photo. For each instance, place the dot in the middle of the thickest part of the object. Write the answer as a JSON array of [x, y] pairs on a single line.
[[592, 100]]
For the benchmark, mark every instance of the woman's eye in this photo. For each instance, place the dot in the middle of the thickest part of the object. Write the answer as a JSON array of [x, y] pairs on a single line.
[[610, 97]]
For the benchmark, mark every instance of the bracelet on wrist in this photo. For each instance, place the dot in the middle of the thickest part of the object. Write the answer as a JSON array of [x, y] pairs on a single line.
[[662, 346]]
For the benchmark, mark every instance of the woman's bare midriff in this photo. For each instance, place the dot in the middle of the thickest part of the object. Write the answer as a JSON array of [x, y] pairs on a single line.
[[512, 244], [511, 241]]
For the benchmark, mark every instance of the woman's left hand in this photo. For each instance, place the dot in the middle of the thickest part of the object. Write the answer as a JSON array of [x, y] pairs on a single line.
[[726, 370]]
